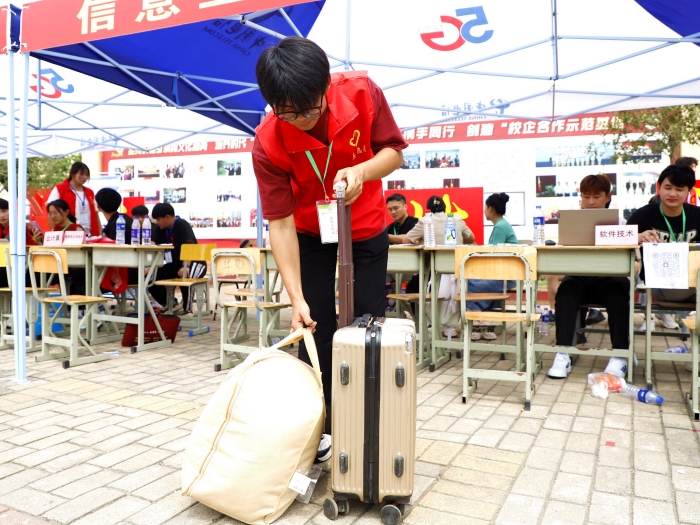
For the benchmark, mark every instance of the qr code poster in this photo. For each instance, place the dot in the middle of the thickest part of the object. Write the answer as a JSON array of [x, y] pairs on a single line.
[[666, 265]]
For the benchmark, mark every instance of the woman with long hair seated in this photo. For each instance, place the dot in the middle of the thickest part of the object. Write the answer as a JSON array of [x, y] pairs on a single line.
[[63, 220]]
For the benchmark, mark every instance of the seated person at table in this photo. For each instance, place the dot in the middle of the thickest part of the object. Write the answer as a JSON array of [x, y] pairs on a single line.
[[62, 220], [108, 202], [612, 292], [139, 212], [34, 237], [176, 231], [403, 222]]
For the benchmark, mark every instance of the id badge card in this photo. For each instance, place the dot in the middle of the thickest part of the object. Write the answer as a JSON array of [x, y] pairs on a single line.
[[328, 221], [168, 257], [84, 217]]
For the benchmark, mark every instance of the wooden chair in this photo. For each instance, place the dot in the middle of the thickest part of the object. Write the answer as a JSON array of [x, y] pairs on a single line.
[[198, 286], [241, 261], [55, 261], [503, 263], [7, 330]]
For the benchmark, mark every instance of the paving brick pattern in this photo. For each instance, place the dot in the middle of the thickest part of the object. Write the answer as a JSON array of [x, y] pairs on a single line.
[[102, 444]]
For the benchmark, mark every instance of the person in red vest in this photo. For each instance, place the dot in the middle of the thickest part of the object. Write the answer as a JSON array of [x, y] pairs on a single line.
[[80, 199], [322, 129]]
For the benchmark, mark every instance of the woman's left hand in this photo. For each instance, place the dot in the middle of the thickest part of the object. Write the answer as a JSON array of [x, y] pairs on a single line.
[[355, 178]]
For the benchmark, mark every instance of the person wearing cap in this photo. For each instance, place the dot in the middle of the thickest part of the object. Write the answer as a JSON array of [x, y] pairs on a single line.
[[323, 129]]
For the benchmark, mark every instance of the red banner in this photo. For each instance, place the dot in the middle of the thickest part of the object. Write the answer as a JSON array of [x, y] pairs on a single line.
[[3, 29], [51, 23], [467, 203]]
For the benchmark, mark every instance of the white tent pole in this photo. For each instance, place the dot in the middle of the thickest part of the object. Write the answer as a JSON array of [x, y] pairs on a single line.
[[38, 93], [348, 9], [19, 296]]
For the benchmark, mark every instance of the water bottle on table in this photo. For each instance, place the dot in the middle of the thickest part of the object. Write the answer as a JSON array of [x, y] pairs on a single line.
[[451, 230], [538, 221], [428, 231], [135, 232], [642, 394], [146, 232], [121, 230]]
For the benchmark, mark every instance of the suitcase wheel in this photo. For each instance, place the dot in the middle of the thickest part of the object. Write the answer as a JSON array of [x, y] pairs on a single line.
[[343, 507], [391, 515], [330, 509]]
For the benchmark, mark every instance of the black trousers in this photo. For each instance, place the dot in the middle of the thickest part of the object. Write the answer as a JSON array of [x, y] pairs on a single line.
[[318, 263], [612, 292]]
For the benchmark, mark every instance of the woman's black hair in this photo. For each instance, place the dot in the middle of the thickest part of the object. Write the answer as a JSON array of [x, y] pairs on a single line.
[[4, 205], [77, 168], [62, 205], [435, 204], [498, 202], [293, 73]]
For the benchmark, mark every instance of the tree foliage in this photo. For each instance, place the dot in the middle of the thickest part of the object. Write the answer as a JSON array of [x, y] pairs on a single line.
[[42, 172], [662, 130]]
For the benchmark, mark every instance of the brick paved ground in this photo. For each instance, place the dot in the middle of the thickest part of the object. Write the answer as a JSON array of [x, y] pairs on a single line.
[[102, 444]]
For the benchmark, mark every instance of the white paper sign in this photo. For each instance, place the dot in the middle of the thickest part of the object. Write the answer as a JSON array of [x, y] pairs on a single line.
[[299, 483], [666, 265], [53, 238], [614, 235], [75, 238]]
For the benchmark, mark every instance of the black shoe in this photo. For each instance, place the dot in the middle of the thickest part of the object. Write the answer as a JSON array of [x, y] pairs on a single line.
[[594, 317], [581, 338]]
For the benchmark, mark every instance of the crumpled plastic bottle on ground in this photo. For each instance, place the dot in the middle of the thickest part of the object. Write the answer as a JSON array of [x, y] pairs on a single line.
[[602, 383]]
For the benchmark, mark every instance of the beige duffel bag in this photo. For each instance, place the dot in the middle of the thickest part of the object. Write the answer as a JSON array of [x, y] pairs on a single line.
[[262, 425]]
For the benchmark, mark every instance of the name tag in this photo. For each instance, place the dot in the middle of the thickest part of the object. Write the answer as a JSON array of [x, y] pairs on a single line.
[[74, 238], [53, 238], [614, 235], [328, 221], [168, 257]]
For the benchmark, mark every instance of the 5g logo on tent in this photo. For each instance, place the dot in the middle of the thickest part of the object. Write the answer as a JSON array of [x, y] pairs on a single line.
[[52, 84], [465, 29]]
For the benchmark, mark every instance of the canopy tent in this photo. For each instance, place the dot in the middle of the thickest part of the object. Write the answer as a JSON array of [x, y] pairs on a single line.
[[437, 61]]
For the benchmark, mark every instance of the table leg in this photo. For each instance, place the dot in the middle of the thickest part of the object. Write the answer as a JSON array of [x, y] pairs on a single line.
[[630, 359], [433, 311]]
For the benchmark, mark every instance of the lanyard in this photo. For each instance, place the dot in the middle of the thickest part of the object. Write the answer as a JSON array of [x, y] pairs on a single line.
[[673, 237], [67, 225], [169, 232], [318, 173], [82, 201]]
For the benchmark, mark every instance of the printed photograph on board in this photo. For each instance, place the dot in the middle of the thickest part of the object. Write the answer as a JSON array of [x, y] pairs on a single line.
[[175, 195], [584, 154], [127, 193], [396, 184], [201, 219], [227, 195], [148, 172], [125, 172], [450, 183], [151, 196], [411, 160], [228, 168], [174, 171], [545, 185], [442, 158], [231, 219]]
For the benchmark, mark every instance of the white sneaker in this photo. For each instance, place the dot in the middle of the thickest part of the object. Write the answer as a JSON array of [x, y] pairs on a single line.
[[489, 336], [476, 336], [324, 449], [643, 328], [668, 321], [561, 367], [617, 366]]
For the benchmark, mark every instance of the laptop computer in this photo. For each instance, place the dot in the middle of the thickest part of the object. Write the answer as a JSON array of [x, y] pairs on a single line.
[[577, 227]]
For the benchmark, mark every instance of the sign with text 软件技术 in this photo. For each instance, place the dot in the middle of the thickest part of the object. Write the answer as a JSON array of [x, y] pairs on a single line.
[[615, 235]]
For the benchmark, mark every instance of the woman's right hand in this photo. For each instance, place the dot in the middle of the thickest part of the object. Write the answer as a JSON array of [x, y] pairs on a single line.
[[301, 316]]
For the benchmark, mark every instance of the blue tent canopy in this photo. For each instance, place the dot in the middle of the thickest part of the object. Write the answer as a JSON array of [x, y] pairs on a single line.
[[206, 67]]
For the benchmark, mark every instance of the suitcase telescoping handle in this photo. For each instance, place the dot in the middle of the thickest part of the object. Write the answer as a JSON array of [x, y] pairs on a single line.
[[346, 270], [308, 337]]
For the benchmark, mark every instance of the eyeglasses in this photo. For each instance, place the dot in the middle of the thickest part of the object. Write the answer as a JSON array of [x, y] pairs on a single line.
[[55, 214], [288, 116]]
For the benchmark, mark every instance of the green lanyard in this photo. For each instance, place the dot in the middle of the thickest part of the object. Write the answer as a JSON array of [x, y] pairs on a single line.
[[318, 173], [673, 237], [67, 226]]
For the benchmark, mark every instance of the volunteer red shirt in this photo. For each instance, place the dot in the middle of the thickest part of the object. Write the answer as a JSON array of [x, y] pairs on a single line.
[[276, 193]]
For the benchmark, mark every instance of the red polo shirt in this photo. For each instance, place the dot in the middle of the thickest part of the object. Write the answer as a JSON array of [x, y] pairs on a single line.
[[289, 186]]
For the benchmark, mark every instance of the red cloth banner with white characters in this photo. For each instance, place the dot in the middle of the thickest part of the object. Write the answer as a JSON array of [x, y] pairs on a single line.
[[3, 29], [52, 23], [467, 203]]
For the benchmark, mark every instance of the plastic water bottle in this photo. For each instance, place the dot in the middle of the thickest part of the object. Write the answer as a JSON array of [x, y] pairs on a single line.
[[451, 230], [121, 230], [538, 311], [642, 394], [428, 231], [677, 350], [267, 236], [135, 232], [538, 221], [146, 232], [545, 322]]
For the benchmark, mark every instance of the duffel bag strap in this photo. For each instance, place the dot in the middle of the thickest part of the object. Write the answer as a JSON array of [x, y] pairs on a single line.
[[308, 336]]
